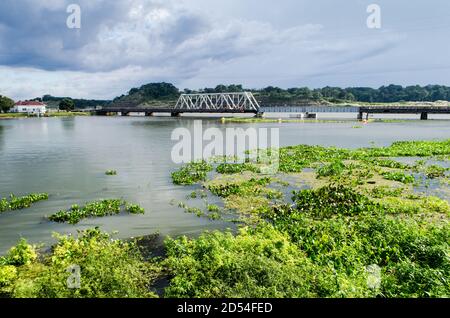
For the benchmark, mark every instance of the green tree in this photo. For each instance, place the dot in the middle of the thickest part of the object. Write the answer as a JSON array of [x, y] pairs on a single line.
[[66, 104], [5, 103]]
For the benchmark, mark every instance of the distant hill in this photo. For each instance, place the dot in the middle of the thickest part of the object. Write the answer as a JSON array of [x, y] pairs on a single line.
[[153, 94]]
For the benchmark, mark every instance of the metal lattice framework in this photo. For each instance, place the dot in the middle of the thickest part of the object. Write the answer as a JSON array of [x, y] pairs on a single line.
[[244, 101]]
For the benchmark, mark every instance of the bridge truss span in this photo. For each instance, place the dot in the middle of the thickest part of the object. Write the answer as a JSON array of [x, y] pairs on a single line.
[[217, 102]]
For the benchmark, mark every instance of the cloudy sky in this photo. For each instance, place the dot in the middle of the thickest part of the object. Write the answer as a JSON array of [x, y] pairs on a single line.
[[201, 43]]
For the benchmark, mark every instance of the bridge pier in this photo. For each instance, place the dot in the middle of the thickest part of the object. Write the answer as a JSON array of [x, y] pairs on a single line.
[[423, 116], [149, 114], [360, 116], [259, 115], [175, 114]]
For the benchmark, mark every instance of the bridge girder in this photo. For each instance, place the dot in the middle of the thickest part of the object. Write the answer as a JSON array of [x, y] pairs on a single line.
[[242, 101]]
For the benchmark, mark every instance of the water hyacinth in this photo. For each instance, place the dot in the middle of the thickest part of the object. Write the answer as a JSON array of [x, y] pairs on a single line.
[[19, 203], [95, 209]]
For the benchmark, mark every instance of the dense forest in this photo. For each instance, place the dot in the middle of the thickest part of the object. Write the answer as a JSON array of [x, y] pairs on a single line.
[[165, 92]]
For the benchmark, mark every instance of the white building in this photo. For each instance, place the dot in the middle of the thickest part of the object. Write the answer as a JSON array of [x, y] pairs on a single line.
[[29, 107]]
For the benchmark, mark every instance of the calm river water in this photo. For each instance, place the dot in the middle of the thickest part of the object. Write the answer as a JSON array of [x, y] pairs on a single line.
[[68, 157]]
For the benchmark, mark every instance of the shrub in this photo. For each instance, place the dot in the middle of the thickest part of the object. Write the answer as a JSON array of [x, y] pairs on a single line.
[[253, 264], [21, 254], [108, 267]]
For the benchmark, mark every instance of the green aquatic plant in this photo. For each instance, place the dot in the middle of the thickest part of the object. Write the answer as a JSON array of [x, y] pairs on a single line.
[[94, 209], [19, 203], [333, 200], [191, 173], [334, 169], [134, 209], [232, 168], [111, 172], [398, 176], [435, 171]]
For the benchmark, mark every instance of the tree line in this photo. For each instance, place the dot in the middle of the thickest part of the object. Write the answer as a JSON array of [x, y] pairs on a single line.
[[169, 92], [271, 94]]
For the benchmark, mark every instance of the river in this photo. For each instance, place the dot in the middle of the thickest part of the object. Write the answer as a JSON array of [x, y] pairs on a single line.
[[68, 157]]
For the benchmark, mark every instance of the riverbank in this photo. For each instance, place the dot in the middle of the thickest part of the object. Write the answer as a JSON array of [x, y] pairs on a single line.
[[52, 114], [333, 222]]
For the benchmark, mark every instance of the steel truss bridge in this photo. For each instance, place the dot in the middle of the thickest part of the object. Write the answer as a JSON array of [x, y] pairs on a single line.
[[245, 102]]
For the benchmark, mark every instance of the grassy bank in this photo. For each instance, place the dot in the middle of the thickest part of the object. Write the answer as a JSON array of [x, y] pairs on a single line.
[[52, 114], [332, 223]]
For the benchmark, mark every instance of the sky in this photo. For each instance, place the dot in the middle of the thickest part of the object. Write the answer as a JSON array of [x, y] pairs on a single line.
[[202, 43]]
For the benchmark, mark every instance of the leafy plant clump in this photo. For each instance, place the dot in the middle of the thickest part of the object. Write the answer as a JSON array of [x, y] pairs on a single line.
[[111, 172], [331, 170], [191, 173], [19, 203], [134, 209], [398, 176], [107, 267], [333, 200], [94, 209]]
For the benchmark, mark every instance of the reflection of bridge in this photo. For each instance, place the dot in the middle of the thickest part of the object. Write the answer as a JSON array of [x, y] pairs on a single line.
[[245, 102]]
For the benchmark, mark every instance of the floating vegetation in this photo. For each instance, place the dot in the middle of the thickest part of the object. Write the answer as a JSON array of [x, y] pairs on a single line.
[[232, 168], [191, 173], [335, 168], [94, 209], [19, 203], [435, 171], [111, 173], [398, 176], [134, 209]]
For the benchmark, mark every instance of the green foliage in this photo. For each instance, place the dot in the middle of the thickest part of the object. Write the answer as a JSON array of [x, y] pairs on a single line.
[[333, 169], [108, 268], [332, 200], [134, 209], [94, 209], [19, 203], [213, 208], [8, 274], [229, 168], [191, 173], [67, 104], [384, 191], [21, 254], [261, 263], [435, 171], [5, 104], [111, 172], [252, 187], [351, 242], [398, 176]]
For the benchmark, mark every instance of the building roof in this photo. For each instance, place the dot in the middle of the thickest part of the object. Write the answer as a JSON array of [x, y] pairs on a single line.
[[29, 103]]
